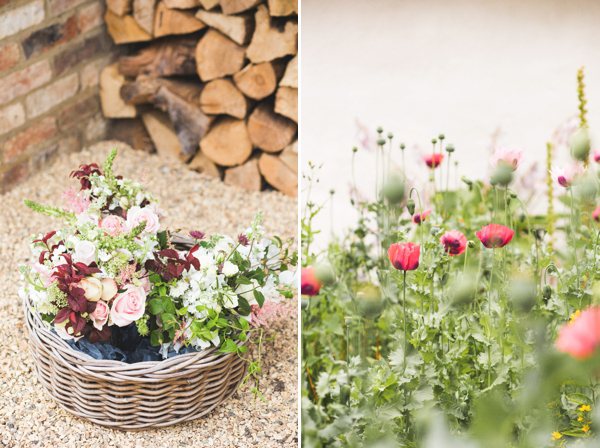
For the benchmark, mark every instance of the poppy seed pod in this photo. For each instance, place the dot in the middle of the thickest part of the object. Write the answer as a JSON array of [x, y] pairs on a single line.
[[390, 135], [355, 149], [441, 136], [581, 145], [402, 146], [393, 190], [410, 206], [502, 175], [379, 129], [450, 148], [381, 141]]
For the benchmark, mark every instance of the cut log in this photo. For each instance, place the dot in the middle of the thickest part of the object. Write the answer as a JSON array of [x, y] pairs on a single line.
[[173, 21], [256, 81], [163, 135], [235, 6], [143, 89], [289, 156], [203, 164], [283, 7], [131, 131], [167, 57], [269, 131], [143, 13], [209, 4], [119, 7], [246, 176], [269, 43], [189, 121], [221, 97], [110, 85], [278, 174], [182, 4], [227, 142], [124, 29], [286, 102], [290, 77], [237, 28], [218, 56]]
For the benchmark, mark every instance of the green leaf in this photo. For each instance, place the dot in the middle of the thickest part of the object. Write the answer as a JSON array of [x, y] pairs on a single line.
[[244, 307], [162, 239], [258, 296], [168, 305], [155, 278], [155, 306], [228, 347], [156, 337]]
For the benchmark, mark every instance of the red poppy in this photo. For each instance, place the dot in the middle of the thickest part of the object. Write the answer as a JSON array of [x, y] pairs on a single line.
[[418, 218], [596, 214], [454, 242], [433, 160], [581, 336], [495, 235], [310, 283], [405, 256]]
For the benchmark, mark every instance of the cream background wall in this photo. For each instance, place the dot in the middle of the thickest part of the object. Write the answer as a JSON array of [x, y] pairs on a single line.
[[469, 69]]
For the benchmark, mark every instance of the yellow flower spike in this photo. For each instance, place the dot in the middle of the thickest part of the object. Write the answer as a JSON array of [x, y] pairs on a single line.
[[585, 408], [586, 428], [556, 435], [580, 419]]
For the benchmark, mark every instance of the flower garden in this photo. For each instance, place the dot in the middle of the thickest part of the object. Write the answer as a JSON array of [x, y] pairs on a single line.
[[454, 317]]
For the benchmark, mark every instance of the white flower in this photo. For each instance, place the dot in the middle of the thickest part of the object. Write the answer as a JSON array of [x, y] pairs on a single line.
[[179, 288], [229, 269], [288, 277], [247, 292]]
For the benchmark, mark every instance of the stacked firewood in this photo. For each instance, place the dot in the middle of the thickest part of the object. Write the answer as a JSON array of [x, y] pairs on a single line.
[[215, 85]]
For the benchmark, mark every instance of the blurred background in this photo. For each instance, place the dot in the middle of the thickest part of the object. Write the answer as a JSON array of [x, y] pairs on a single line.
[[482, 73]]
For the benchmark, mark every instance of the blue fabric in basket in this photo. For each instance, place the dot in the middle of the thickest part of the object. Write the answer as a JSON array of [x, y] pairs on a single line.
[[129, 347]]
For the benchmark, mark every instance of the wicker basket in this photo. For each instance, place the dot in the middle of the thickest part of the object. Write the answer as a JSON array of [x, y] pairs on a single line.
[[131, 396]]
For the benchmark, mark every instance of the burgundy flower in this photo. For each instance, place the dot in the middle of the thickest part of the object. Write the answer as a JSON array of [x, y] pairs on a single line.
[[418, 218], [495, 235], [243, 240], [405, 256], [310, 283], [83, 174], [197, 235], [454, 242], [433, 160]]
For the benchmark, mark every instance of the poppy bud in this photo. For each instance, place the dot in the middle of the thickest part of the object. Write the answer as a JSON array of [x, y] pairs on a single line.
[[522, 293], [467, 181], [435, 230], [369, 300], [585, 231], [410, 206], [547, 292], [471, 244]]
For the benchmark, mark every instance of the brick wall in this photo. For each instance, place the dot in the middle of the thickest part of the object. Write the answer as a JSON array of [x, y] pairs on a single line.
[[51, 54]]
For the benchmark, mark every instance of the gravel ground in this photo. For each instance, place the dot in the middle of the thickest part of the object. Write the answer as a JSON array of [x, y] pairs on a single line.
[[28, 417]]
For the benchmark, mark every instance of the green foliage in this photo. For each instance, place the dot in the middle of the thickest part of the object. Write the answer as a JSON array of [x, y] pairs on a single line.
[[480, 327]]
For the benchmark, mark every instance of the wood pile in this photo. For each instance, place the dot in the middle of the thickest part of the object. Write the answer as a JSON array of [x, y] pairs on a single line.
[[211, 83]]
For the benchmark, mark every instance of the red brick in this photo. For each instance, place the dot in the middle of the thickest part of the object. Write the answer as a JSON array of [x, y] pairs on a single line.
[[9, 56], [91, 16], [80, 110], [49, 37], [90, 74], [28, 138], [48, 156], [46, 98], [4, 3], [60, 6], [13, 177], [82, 52], [25, 80], [11, 117]]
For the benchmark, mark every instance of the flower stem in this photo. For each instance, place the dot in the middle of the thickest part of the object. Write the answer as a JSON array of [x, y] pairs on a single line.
[[404, 312], [490, 322]]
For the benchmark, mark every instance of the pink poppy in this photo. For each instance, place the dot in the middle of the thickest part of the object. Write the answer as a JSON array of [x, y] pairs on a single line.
[[405, 256], [454, 242]]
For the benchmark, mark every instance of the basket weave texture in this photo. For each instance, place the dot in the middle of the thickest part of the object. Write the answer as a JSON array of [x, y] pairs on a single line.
[[136, 396]]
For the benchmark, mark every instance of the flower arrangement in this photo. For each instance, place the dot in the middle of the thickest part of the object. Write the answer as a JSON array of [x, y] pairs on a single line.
[[112, 266], [451, 316]]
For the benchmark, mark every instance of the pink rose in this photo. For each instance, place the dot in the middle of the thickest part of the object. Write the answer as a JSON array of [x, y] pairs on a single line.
[[100, 314], [109, 289], [146, 283], [45, 274], [137, 215], [85, 252], [128, 306], [113, 225]]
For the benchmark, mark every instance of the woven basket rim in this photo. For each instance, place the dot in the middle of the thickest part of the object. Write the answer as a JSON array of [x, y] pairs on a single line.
[[206, 356]]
